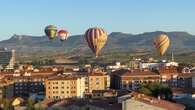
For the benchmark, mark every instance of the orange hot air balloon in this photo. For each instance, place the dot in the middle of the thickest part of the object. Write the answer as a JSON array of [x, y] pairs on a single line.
[[162, 43], [63, 34], [96, 39]]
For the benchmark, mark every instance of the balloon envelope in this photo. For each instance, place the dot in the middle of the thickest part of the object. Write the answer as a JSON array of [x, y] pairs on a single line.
[[51, 31], [63, 34], [96, 39], [162, 43]]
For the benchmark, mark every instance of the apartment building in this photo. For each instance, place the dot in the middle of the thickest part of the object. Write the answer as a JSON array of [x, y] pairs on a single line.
[[61, 87]]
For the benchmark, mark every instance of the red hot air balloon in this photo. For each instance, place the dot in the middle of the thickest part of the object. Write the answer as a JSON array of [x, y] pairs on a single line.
[[63, 34], [96, 39]]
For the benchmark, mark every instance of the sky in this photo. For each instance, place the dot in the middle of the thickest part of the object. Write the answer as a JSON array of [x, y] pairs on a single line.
[[29, 17]]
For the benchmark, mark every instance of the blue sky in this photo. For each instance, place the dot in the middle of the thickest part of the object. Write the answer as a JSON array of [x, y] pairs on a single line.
[[29, 17]]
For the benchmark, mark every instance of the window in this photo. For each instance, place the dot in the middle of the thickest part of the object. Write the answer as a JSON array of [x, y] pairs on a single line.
[[124, 86], [62, 82]]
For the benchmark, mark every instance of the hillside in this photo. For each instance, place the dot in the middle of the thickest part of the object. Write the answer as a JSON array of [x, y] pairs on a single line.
[[28, 46], [24, 43]]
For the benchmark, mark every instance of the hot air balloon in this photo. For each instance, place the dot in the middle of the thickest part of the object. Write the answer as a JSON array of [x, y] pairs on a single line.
[[51, 31], [63, 34], [162, 43], [96, 39]]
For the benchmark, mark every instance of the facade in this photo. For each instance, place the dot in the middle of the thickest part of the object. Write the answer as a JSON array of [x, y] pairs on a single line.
[[169, 75], [25, 83], [6, 89], [104, 93], [156, 65], [62, 87], [96, 81], [132, 79], [186, 80], [7, 59], [75, 85]]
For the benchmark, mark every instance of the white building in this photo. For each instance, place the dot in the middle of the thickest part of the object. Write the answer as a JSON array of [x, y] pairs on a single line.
[[153, 65], [116, 66], [7, 59]]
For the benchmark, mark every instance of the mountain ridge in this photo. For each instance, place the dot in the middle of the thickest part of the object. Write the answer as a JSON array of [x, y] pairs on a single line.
[[116, 40]]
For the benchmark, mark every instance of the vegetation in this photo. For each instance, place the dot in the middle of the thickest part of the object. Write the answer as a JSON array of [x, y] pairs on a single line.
[[30, 104], [157, 89], [6, 104]]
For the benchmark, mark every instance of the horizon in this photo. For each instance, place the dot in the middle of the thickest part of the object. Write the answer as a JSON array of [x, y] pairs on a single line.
[[108, 34], [30, 17]]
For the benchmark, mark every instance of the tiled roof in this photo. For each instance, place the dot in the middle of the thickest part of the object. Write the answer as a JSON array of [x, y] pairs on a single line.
[[158, 102], [130, 73], [63, 78]]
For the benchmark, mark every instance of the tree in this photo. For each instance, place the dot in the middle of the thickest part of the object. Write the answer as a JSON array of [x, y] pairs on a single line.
[[30, 104], [157, 89], [6, 104]]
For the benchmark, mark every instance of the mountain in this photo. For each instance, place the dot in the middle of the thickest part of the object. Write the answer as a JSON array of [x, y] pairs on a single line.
[[117, 41]]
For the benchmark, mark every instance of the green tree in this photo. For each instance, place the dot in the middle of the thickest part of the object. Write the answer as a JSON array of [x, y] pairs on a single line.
[[157, 89], [30, 104], [6, 104]]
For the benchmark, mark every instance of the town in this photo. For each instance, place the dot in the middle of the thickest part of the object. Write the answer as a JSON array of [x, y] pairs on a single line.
[[139, 84]]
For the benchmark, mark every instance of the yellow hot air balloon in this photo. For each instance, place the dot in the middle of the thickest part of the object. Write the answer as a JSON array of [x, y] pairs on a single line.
[[96, 39], [162, 43]]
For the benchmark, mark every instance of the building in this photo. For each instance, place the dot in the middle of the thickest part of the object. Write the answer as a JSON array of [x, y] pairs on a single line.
[[133, 101], [132, 79], [104, 93], [139, 101], [116, 66], [96, 81], [27, 82], [156, 65], [186, 80], [169, 75], [61, 87], [6, 89], [7, 59], [77, 84]]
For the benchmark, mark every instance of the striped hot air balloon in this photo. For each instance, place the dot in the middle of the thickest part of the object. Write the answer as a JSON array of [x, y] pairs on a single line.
[[51, 31], [63, 35], [162, 43], [96, 39]]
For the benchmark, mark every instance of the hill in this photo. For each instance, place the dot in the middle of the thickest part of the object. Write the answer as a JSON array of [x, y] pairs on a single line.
[[116, 40]]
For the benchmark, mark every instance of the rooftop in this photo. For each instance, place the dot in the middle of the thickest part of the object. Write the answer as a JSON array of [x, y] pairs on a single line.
[[136, 72], [167, 105]]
